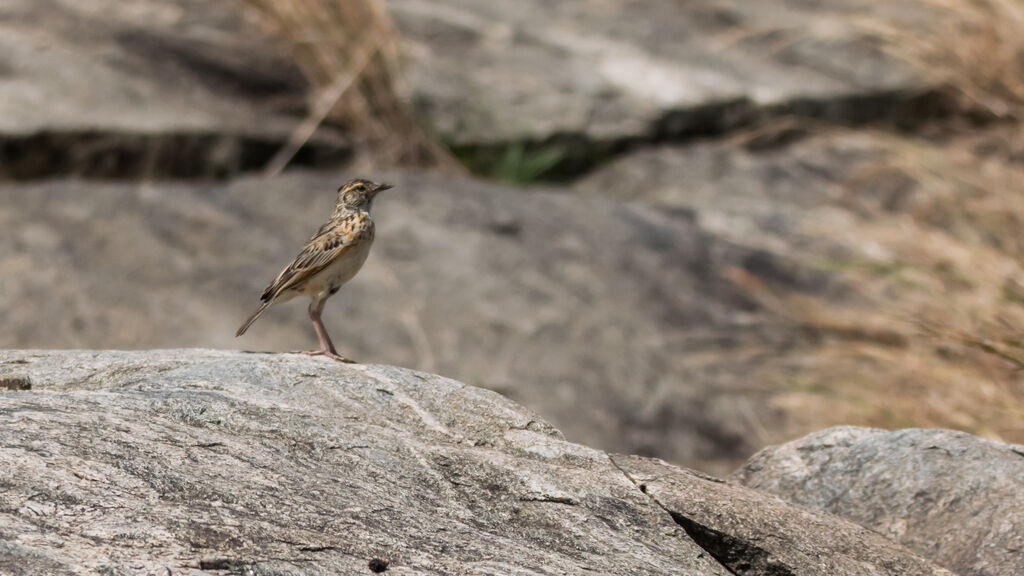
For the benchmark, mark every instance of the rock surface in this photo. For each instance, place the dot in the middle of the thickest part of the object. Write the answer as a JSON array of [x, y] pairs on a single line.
[[952, 497], [104, 88], [753, 535], [639, 69], [186, 88], [199, 462]]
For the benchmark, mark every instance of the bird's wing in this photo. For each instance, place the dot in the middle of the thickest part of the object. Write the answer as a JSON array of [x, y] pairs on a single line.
[[329, 243]]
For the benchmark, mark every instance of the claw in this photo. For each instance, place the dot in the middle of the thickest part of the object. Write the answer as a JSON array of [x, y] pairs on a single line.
[[328, 354]]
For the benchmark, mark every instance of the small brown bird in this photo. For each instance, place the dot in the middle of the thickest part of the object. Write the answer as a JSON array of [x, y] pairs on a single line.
[[330, 259]]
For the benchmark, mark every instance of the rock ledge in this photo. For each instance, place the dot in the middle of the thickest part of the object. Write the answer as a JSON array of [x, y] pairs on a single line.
[[196, 461]]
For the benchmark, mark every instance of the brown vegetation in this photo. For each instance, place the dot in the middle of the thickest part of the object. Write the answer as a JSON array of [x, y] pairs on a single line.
[[969, 204], [972, 46], [945, 345], [349, 52]]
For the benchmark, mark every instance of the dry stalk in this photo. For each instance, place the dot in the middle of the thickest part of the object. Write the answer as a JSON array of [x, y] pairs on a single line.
[[349, 52]]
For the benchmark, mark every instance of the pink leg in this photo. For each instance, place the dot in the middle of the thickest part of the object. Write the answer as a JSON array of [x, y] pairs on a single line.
[[326, 346]]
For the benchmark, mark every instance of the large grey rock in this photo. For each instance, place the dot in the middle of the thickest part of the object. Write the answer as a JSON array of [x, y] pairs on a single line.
[[793, 199], [954, 498], [119, 462], [622, 70], [199, 462], [149, 66], [155, 87]]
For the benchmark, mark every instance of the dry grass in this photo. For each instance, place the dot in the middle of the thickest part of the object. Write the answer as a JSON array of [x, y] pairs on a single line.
[[975, 47], [933, 256], [958, 239], [349, 51]]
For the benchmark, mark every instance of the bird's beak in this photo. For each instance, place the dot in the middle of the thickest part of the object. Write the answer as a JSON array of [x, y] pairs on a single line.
[[381, 187]]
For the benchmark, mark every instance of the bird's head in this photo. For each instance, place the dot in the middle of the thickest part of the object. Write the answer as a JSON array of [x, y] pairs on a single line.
[[358, 194]]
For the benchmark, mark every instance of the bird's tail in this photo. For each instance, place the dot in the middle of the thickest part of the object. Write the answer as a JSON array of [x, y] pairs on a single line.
[[259, 311]]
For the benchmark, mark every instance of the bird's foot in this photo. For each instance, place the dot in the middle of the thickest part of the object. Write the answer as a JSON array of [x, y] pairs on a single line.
[[329, 354]]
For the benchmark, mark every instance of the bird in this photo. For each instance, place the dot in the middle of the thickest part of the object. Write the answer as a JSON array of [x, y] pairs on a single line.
[[329, 259]]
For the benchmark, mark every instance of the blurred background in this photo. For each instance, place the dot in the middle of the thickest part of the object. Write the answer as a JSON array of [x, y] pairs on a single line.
[[681, 228]]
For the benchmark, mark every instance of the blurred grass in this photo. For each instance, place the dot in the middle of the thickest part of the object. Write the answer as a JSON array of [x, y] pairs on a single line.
[[974, 47], [947, 207], [349, 52], [514, 163], [955, 230]]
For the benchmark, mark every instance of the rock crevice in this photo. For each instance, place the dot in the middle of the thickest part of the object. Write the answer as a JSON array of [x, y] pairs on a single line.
[[750, 535]]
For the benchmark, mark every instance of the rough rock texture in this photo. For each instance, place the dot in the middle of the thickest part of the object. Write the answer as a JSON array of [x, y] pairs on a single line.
[[576, 307], [753, 535], [198, 462], [952, 497], [155, 87], [772, 197], [283, 464]]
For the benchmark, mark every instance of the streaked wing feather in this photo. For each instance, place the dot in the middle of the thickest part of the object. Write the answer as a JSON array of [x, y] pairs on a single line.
[[328, 244]]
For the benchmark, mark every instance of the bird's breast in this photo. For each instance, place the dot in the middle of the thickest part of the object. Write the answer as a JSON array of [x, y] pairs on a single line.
[[341, 270]]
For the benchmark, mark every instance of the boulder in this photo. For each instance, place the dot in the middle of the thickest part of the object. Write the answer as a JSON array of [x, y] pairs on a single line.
[[214, 462], [799, 194], [952, 497], [181, 88], [619, 71]]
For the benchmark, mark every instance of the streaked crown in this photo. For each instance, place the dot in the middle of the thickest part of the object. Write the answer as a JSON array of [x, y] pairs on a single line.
[[358, 194]]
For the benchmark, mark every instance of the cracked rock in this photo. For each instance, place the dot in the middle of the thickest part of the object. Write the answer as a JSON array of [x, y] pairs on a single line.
[[142, 462], [954, 497], [753, 534], [239, 463]]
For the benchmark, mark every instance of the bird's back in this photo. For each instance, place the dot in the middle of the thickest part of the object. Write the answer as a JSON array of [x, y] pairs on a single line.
[[333, 255]]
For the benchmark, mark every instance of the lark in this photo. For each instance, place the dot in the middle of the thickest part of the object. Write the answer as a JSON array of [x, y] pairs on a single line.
[[331, 258]]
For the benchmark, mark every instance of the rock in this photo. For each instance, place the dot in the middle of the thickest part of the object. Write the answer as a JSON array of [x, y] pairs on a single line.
[[256, 463], [751, 534], [191, 462], [622, 70], [950, 496], [769, 196], [180, 88]]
